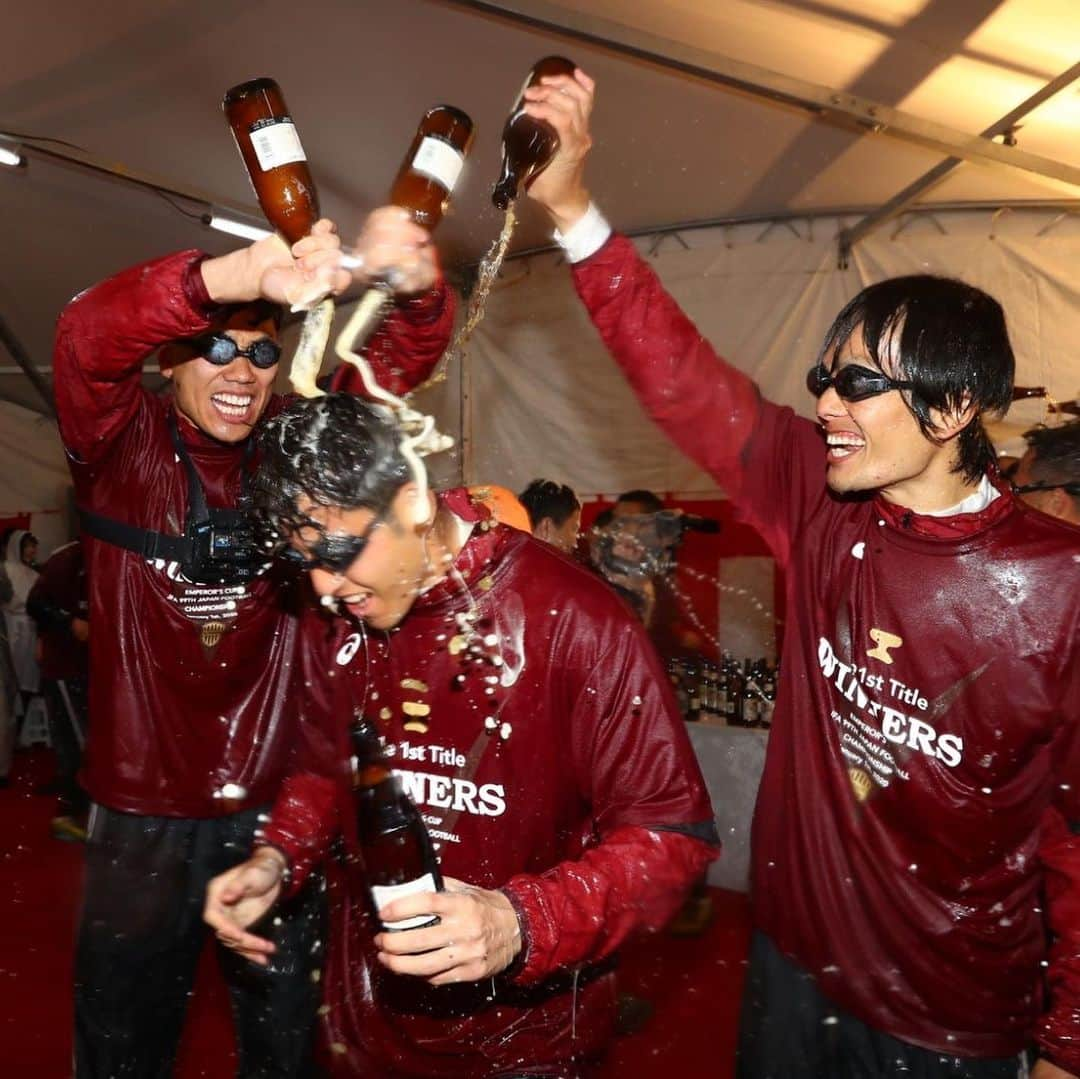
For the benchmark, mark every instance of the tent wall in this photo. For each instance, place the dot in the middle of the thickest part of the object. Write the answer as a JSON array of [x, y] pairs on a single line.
[[544, 398], [34, 478]]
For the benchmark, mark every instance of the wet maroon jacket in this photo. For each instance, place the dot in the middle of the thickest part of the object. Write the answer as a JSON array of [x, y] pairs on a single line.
[[924, 755], [591, 815], [187, 684]]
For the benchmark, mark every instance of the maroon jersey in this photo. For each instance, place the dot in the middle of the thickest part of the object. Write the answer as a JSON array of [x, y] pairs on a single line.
[[925, 739], [188, 681], [532, 725]]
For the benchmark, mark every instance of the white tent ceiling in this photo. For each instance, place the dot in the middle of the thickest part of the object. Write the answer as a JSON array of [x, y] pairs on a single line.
[[138, 84]]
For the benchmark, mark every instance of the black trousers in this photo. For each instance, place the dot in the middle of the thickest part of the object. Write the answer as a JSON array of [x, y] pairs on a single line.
[[788, 1030], [139, 942], [67, 704]]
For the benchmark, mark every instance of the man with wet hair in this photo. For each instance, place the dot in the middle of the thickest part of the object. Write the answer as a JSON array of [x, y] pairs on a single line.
[[529, 720], [554, 513], [1048, 475], [913, 840], [191, 652]]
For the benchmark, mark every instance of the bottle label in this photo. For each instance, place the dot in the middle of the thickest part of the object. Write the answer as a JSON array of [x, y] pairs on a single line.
[[387, 893], [439, 161], [276, 142]]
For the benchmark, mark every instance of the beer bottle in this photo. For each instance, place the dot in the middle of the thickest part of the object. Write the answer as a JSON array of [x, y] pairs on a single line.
[[768, 700], [528, 143], [267, 140], [422, 186], [693, 702], [398, 855], [426, 179], [735, 696], [1024, 393]]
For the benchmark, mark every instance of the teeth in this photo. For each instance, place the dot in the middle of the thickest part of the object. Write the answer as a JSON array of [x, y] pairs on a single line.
[[235, 399], [843, 440]]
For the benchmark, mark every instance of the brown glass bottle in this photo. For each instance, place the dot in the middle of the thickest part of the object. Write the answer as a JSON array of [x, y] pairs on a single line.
[[1022, 393], [267, 140], [426, 179], [528, 143], [399, 858]]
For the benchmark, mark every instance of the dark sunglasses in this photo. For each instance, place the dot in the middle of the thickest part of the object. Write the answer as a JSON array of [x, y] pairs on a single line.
[[852, 383], [220, 349], [335, 552], [1026, 488]]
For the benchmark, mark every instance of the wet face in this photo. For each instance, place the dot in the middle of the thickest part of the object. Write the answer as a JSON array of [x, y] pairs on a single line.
[[629, 509], [564, 536], [380, 584], [224, 402], [876, 443]]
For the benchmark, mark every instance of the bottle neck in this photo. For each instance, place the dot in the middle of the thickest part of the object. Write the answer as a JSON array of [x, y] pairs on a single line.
[[369, 776]]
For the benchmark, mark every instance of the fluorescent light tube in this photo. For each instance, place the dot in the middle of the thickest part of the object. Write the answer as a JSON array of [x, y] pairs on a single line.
[[237, 228]]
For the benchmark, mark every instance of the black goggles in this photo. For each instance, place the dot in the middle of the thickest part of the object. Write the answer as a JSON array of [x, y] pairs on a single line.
[[220, 349], [1027, 488], [852, 382], [335, 552]]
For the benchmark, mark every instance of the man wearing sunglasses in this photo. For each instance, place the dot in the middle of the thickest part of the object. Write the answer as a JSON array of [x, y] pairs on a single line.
[[1048, 475], [190, 663], [531, 722], [912, 840]]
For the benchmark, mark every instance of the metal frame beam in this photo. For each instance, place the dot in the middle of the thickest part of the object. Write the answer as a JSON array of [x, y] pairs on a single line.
[[822, 101], [899, 202], [22, 358]]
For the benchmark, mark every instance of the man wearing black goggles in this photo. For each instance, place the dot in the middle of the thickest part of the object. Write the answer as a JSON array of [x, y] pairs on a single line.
[[852, 382], [220, 350], [1048, 475], [334, 552], [194, 639], [905, 565]]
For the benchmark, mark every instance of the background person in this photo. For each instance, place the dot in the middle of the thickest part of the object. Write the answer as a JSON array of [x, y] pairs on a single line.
[[1048, 475], [554, 513], [58, 604]]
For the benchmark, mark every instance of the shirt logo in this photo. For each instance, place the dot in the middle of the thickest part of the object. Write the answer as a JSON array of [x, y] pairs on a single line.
[[884, 642], [348, 649]]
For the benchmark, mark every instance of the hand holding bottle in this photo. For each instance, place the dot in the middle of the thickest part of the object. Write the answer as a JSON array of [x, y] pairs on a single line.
[[269, 269], [239, 897], [393, 249], [566, 103], [476, 937]]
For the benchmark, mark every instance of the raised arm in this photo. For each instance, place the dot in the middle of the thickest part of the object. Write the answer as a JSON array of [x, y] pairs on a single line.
[[406, 347], [106, 333], [708, 408]]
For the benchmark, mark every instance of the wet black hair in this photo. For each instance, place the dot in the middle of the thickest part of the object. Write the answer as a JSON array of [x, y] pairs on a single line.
[[953, 345], [651, 501], [548, 500], [1055, 453], [337, 451]]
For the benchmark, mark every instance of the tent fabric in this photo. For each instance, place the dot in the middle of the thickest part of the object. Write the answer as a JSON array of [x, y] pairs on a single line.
[[34, 479], [543, 398]]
